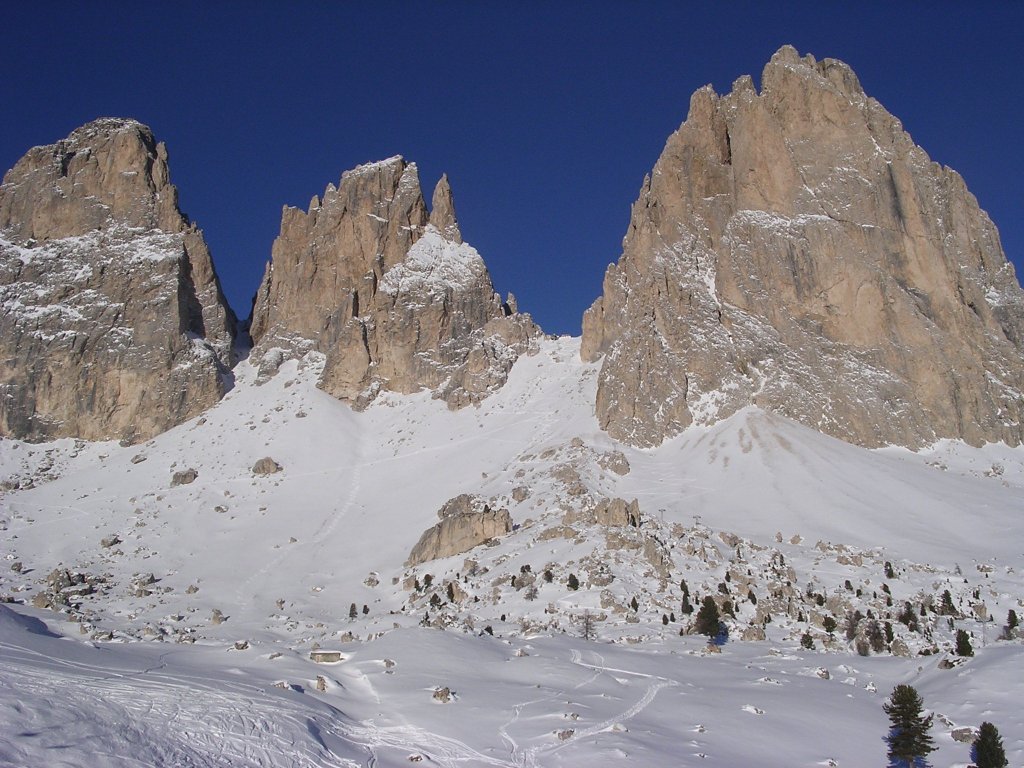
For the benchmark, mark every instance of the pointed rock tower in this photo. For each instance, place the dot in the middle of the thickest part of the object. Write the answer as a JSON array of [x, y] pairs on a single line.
[[793, 249], [388, 293], [112, 321]]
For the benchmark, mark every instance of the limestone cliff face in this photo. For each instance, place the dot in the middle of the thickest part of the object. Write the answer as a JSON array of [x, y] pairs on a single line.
[[112, 322], [387, 292], [795, 250]]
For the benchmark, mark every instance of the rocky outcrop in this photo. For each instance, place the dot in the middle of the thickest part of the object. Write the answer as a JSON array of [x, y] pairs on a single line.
[[387, 292], [466, 522], [617, 512], [112, 321], [793, 249]]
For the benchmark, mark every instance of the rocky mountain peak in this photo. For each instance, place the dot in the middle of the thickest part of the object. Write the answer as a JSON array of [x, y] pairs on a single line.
[[442, 211], [388, 293], [111, 170], [112, 322], [795, 250]]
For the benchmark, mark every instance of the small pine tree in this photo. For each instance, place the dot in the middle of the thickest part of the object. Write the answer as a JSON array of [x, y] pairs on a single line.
[[353, 611], [686, 607], [946, 607], [987, 750], [684, 588], [708, 621], [366, 609], [908, 617], [428, 580], [853, 619], [909, 740], [875, 637], [963, 643], [829, 624], [549, 576], [889, 572], [587, 629], [634, 605], [573, 583], [664, 619], [1011, 619], [435, 600], [807, 641]]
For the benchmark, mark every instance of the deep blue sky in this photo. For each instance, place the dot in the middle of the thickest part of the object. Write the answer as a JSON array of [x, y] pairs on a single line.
[[545, 115]]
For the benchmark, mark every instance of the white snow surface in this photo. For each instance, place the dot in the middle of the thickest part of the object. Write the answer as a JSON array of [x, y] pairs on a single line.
[[283, 556], [434, 267]]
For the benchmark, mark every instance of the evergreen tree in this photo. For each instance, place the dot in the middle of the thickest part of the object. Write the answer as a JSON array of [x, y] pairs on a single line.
[[829, 624], [946, 607], [708, 621], [353, 611], [963, 643], [806, 641], [909, 741], [686, 606], [987, 750], [1011, 619], [573, 583], [588, 631], [875, 637]]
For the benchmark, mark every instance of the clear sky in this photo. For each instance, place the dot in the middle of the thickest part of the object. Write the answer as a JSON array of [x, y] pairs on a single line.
[[545, 115]]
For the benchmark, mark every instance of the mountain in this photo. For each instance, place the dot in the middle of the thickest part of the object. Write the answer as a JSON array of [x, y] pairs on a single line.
[[112, 322], [795, 250], [387, 292], [319, 558]]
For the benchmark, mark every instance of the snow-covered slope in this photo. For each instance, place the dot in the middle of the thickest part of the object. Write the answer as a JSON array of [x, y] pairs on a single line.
[[251, 572]]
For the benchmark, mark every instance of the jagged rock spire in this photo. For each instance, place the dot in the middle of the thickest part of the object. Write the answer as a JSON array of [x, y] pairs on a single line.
[[442, 211], [392, 297]]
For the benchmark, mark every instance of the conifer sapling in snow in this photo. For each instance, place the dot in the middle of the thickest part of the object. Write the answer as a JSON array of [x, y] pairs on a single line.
[[909, 741], [708, 621], [987, 750], [963, 643]]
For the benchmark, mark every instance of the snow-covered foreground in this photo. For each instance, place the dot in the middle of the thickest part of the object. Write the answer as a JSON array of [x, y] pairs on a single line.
[[198, 604], [541, 702]]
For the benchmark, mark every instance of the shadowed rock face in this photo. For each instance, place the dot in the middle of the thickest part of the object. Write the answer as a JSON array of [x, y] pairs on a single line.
[[387, 292], [112, 321], [795, 250]]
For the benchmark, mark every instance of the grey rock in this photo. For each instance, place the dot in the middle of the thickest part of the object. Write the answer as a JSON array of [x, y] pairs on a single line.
[[112, 321], [466, 522], [184, 477], [266, 466]]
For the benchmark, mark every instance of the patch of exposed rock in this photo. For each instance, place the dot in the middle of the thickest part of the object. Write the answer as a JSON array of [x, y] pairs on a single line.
[[112, 321], [795, 250], [466, 522], [266, 466], [388, 293]]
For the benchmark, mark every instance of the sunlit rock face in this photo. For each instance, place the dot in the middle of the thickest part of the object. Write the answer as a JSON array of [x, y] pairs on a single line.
[[388, 292], [794, 249], [112, 321]]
